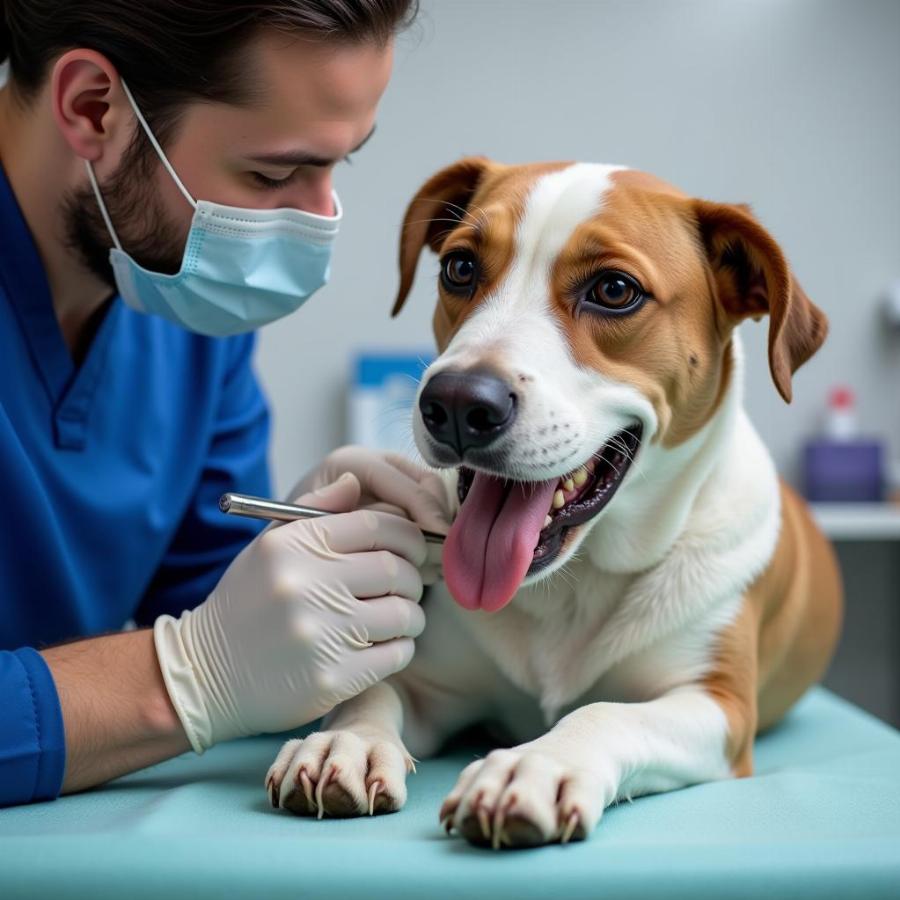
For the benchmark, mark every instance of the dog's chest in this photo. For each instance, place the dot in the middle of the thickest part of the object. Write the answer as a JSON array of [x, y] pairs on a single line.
[[535, 640]]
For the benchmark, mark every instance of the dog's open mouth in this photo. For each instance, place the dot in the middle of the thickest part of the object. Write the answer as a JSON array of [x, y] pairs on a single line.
[[508, 530]]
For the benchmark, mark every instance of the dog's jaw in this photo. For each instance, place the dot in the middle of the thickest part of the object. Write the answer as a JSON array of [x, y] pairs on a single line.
[[580, 497], [511, 532]]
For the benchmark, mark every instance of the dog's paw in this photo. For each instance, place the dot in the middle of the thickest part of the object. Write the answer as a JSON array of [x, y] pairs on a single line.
[[339, 773], [523, 797]]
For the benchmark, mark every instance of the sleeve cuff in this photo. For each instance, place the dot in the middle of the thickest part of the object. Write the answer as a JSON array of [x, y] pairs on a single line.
[[32, 737]]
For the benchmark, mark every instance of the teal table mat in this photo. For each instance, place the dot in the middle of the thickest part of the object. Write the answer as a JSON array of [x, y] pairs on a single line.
[[820, 819]]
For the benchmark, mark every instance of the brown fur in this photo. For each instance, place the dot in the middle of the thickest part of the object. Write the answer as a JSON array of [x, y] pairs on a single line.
[[488, 201], [783, 638], [671, 349]]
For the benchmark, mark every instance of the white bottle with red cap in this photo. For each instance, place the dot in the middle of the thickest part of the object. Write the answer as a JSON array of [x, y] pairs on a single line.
[[841, 423]]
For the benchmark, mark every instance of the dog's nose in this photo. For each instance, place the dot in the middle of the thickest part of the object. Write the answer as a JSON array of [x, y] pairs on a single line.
[[467, 410]]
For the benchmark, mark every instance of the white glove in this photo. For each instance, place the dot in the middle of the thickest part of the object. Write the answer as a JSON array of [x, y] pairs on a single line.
[[291, 630], [392, 483]]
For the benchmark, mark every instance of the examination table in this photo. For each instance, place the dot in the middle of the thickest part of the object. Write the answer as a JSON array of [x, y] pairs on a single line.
[[819, 819]]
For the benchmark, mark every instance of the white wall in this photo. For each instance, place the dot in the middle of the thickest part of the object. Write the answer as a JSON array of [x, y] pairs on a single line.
[[792, 105]]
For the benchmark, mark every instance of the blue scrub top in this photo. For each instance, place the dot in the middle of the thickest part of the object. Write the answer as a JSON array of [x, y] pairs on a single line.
[[111, 472]]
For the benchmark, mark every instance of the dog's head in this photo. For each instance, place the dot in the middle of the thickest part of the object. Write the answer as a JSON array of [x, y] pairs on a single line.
[[584, 312]]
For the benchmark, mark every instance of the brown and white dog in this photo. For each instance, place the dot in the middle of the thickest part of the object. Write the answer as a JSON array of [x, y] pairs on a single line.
[[626, 568]]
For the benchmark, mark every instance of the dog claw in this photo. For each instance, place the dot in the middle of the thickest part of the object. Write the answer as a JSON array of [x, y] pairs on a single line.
[[485, 822], [320, 792], [272, 791], [570, 826], [373, 793], [447, 824], [448, 810], [307, 786], [500, 822]]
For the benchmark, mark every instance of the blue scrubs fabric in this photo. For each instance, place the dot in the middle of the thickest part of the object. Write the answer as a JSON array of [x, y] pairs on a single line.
[[111, 471]]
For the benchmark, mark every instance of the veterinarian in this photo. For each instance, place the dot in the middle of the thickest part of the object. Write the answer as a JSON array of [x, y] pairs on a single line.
[[166, 188]]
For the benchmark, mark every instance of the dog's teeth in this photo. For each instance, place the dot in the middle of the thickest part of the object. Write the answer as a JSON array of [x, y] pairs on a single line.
[[559, 501], [580, 477], [548, 519], [569, 484]]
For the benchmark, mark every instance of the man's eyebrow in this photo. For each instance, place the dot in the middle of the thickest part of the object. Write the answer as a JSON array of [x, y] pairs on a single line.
[[300, 158]]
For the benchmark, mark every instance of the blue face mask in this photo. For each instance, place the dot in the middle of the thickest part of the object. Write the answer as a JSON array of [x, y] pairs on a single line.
[[241, 268]]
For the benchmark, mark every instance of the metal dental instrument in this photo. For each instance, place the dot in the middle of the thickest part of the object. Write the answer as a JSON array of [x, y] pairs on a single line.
[[260, 508]]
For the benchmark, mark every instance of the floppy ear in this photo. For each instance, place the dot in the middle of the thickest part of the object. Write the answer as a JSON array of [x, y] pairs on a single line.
[[753, 278], [432, 214]]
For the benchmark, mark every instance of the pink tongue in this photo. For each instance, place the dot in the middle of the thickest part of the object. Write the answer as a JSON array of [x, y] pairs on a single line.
[[491, 544]]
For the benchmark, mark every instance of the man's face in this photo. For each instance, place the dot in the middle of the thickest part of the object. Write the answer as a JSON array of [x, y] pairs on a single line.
[[314, 104]]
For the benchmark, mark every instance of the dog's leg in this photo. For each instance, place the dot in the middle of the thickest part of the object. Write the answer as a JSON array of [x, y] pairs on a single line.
[[556, 787], [358, 763]]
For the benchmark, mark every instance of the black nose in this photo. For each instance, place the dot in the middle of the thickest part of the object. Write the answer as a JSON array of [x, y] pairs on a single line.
[[467, 410]]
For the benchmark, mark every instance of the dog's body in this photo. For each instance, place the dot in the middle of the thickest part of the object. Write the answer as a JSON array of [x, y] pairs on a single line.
[[702, 601]]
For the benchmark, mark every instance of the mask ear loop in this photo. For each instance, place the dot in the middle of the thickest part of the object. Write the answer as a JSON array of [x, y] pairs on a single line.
[[102, 205], [155, 144], [162, 158]]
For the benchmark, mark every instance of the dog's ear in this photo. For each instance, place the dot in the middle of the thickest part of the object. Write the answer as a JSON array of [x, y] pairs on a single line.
[[432, 214], [752, 278]]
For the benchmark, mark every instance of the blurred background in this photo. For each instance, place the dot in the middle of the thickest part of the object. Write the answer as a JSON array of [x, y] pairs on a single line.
[[790, 105]]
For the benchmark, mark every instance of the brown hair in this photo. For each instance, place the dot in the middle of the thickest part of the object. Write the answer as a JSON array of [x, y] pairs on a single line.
[[173, 51]]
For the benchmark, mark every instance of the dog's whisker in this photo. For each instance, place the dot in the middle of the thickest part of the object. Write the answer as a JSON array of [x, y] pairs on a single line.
[[465, 212], [453, 222], [619, 444], [442, 234]]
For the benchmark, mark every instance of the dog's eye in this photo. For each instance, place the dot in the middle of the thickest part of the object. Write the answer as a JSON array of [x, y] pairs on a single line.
[[615, 291], [458, 272]]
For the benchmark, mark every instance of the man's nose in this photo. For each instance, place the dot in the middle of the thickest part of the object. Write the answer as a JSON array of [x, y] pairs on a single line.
[[467, 409]]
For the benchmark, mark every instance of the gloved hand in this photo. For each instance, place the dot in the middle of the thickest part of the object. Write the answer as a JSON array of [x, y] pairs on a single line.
[[391, 483], [308, 615]]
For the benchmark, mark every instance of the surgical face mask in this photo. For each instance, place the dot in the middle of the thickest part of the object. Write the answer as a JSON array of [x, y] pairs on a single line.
[[241, 268]]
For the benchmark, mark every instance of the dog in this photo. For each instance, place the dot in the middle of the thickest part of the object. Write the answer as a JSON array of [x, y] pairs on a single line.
[[630, 593]]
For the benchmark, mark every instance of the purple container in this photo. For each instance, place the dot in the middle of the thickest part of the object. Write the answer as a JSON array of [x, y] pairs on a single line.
[[844, 472]]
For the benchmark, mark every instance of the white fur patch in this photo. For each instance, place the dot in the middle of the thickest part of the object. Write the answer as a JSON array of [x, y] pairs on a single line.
[[557, 204]]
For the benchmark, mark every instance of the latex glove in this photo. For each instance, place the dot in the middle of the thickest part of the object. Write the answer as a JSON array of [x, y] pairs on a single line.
[[290, 630], [392, 483]]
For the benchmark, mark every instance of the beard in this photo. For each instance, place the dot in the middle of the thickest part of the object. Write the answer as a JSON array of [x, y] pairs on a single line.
[[145, 230]]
